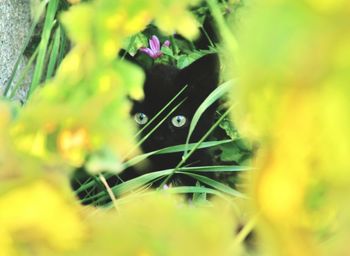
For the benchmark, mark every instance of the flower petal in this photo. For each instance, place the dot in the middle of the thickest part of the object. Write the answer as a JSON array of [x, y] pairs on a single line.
[[148, 51], [154, 43], [166, 43], [156, 55]]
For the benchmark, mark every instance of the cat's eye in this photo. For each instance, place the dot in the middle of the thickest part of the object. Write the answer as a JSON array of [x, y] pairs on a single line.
[[140, 118], [178, 121]]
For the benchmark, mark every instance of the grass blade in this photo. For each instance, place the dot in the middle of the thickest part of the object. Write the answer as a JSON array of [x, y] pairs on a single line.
[[24, 73], [29, 36], [174, 149], [216, 168], [214, 96], [220, 168], [64, 46], [193, 189], [215, 184], [48, 25], [168, 150], [54, 53], [138, 182], [127, 186]]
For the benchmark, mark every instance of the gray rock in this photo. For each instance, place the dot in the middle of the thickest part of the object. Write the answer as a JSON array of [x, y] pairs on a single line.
[[15, 24]]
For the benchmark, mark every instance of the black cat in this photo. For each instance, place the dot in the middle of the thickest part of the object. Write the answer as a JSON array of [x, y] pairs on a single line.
[[192, 84], [162, 83]]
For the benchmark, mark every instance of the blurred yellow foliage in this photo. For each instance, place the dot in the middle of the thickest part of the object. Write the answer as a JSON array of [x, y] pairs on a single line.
[[37, 218], [162, 224], [89, 90], [73, 1], [12, 170], [294, 99], [41, 220]]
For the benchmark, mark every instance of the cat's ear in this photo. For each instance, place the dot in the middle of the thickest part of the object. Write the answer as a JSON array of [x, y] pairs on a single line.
[[202, 76]]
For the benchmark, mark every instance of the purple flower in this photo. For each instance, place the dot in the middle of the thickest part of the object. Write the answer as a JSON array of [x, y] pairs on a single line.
[[154, 51]]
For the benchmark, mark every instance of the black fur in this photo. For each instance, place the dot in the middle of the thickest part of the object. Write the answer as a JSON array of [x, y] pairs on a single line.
[[162, 84]]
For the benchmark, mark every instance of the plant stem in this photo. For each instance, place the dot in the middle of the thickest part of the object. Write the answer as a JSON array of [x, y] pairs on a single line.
[[110, 192]]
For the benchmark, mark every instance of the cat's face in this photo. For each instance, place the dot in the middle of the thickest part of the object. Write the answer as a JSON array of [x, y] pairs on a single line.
[[161, 86]]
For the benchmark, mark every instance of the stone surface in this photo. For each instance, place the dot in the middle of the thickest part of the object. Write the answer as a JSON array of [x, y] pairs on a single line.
[[14, 29]]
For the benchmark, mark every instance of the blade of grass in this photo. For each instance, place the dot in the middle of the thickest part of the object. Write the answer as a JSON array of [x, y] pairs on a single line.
[[24, 73], [138, 182], [54, 53], [214, 96], [216, 168], [215, 184], [129, 185], [168, 150], [43, 45], [64, 44], [174, 149], [193, 189], [222, 168], [26, 42]]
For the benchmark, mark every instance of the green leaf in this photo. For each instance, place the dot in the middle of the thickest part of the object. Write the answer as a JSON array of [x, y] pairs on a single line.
[[134, 43], [229, 129], [167, 51], [236, 151], [215, 184], [186, 59], [200, 196], [183, 61]]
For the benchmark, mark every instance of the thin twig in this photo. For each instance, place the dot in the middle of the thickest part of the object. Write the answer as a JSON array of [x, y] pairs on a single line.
[[109, 191]]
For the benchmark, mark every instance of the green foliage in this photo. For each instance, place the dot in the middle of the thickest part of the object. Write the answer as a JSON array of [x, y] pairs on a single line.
[[239, 150]]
